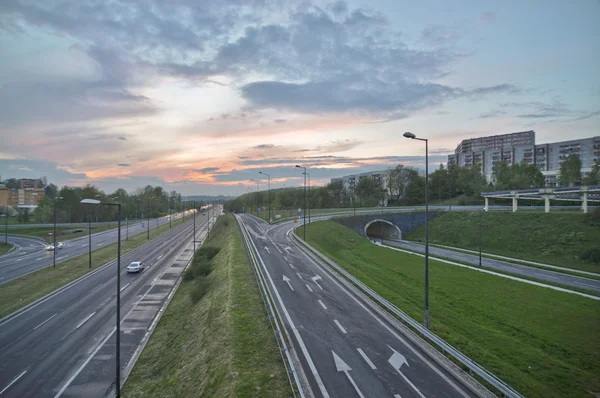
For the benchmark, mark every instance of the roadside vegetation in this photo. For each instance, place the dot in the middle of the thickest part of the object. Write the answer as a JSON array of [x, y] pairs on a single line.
[[542, 342], [21, 291], [5, 248], [565, 239], [214, 340]]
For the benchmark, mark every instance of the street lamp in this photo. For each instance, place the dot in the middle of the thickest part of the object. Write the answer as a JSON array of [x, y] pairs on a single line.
[[480, 235], [118, 360], [148, 218], [257, 197], [309, 198], [5, 225], [302, 167], [268, 192], [414, 137], [54, 234]]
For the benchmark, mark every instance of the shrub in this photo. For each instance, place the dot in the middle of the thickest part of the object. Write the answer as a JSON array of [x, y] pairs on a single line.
[[209, 252], [594, 217], [200, 289], [591, 255]]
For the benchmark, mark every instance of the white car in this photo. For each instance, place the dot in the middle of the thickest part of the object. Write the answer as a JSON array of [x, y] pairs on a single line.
[[50, 248], [136, 266]]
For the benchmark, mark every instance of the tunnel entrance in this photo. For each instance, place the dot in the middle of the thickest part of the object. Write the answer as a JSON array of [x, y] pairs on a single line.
[[376, 228]]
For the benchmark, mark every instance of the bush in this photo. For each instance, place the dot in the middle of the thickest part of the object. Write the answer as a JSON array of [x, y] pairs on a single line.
[[209, 252], [200, 289], [591, 255], [594, 217]]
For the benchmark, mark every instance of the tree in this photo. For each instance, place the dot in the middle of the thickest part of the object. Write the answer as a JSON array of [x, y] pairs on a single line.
[[398, 179], [414, 193], [594, 177], [367, 190], [519, 176], [51, 190], [23, 216], [570, 172]]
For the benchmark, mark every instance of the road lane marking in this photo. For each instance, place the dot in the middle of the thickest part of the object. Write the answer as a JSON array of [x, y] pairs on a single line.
[[287, 280], [315, 279], [85, 320], [13, 382], [342, 366], [19, 259], [366, 358], [397, 360], [159, 257], [44, 321], [397, 396], [99, 244], [267, 249], [339, 325], [291, 265], [299, 276], [309, 289], [38, 259], [123, 288], [322, 305]]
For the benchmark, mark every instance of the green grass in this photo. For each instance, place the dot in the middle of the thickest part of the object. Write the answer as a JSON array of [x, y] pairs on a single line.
[[542, 342], [62, 233], [5, 248], [552, 238], [220, 346], [19, 292]]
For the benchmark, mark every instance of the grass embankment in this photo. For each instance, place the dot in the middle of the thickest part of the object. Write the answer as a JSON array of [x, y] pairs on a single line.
[[19, 292], [551, 238], [5, 248], [62, 233], [542, 342], [214, 340]]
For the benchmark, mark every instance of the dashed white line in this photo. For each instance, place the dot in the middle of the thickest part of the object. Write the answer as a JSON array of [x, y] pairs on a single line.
[[309, 289], [13, 382], [44, 321], [85, 320], [159, 257], [38, 259], [19, 259], [397, 396], [291, 265], [366, 358], [299, 276], [322, 305], [123, 288], [99, 244], [339, 325]]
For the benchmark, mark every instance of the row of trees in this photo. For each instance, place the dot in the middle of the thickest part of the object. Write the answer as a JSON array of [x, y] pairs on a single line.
[[407, 187], [150, 201]]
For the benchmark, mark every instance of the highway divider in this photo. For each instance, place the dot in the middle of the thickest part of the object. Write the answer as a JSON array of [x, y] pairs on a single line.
[[345, 277]]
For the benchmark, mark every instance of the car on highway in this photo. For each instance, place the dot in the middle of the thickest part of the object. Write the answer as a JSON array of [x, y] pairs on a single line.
[[50, 248], [136, 266]]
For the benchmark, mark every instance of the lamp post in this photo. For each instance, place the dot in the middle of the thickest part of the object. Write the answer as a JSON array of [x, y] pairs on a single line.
[[170, 217], [302, 167], [309, 197], [268, 192], [257, 196], [148, 219], [480, 235], [118, 336], [54, 234], [5, 225], [413, 137]]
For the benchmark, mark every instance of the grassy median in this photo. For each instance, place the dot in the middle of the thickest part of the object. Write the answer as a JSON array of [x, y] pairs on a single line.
[[214, 339], [558, 238], [542, 342], [5, 248], [19, 292]]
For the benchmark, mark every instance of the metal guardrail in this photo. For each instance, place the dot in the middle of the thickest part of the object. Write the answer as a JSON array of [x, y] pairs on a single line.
[[273, 312], [473, 366]]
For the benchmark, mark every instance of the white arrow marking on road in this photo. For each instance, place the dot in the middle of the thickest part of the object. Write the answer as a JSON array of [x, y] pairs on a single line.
[[397, 360], [322, 305], [308, 287], [342, 366], [287, 280], [315, 279], [267, 249], [288, 249]]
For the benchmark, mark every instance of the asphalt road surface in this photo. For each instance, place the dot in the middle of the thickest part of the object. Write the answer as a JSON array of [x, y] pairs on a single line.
[[345, 349], [503, 266], [65, 345], [25, 262]]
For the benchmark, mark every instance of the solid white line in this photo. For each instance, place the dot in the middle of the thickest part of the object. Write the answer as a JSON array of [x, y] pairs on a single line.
[[45, 321], [85, 320], [366, 358], [299, 276], [309, 289], [322, 305], [339, 325], [13, 382], [123, 288]]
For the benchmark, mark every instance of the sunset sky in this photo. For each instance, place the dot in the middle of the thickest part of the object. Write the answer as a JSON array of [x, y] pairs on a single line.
[[199, 96]]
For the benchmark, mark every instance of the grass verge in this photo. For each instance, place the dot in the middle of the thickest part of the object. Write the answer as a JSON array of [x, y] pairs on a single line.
[[19, 292], [5, 248], [214, 339], [551, 238], [62, 233], [542, 342]]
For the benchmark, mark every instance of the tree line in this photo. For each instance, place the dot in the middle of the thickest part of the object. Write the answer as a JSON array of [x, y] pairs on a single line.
[[406, 187]]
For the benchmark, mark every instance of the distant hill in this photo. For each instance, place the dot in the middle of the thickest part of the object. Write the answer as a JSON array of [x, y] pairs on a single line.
[[205, 198]]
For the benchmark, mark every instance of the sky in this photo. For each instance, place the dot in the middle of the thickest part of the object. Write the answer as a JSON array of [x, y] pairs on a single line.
[[201, 96]]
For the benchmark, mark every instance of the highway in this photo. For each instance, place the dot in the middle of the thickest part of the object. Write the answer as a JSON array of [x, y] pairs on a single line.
[[504, 266], [64, 345], [346, 349], [16, 264]]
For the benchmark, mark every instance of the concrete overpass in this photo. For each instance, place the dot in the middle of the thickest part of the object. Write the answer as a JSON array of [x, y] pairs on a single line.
[[391, 226]]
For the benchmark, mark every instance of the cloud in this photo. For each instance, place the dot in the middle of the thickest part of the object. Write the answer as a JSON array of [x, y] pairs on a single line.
[[439, 35], [264, 146], [280, 121], [207, 170], [122, 138], [488, 17], [124, 165], [491, 114]]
